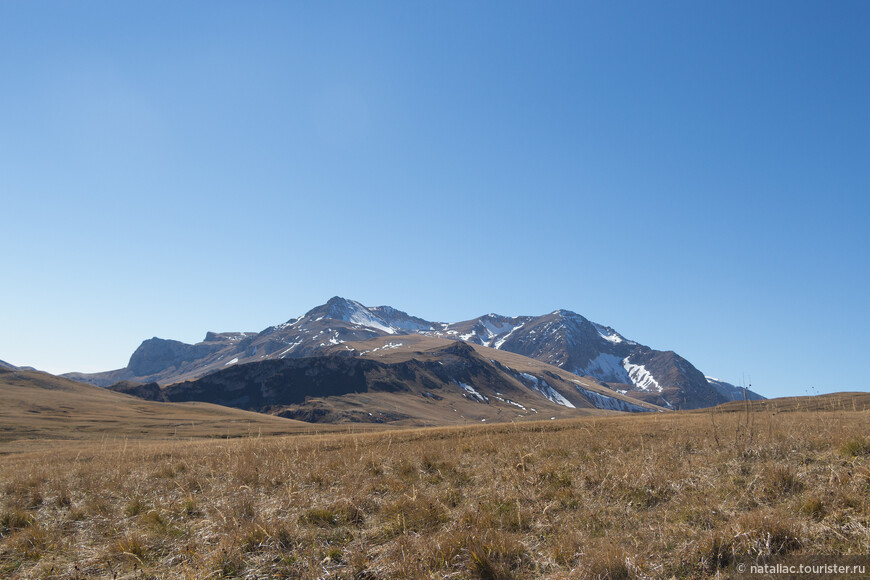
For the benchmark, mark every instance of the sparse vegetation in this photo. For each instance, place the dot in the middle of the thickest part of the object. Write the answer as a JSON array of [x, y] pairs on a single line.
[[855, 446], [664, 495]]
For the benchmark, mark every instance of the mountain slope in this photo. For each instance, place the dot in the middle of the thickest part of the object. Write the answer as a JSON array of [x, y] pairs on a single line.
[[562, 338], [733, 393]]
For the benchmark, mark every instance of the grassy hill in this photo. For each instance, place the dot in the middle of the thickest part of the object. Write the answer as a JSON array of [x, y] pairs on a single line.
[[854, 401], [39, 406]]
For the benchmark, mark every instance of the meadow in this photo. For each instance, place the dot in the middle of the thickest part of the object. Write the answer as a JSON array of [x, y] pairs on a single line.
[[662, 495]]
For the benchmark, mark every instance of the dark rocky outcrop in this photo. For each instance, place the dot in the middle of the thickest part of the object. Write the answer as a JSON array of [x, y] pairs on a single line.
[[147, 391]]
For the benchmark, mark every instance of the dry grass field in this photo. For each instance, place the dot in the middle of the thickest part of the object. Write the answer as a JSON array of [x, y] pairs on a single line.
[[641, 496]]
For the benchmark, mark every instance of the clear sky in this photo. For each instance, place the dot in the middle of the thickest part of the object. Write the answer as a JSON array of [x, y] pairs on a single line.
[[694, 174]]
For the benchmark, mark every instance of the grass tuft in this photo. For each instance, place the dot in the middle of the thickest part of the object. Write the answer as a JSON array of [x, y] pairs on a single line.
[[813, 507], [321, 517], [855, 447], [14, 519], [609, 562], [779, 480]]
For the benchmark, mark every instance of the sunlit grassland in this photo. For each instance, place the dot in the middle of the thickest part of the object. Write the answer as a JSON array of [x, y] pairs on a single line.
[[653, 495]]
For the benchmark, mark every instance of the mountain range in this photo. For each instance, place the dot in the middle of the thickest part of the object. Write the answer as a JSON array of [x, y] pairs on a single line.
[[420, 381], [571, 355]]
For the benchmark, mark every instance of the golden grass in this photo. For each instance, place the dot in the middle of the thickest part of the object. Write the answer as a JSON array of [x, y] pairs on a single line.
[[854, 401], [664, 495]]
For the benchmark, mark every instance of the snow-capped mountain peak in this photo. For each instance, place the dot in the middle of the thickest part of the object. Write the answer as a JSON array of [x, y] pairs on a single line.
[[351, 311], [381, 318]]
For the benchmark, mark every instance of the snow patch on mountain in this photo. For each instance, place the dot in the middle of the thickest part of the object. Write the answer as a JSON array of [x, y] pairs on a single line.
[[606, 367], [290, 348], [493, 330], [388, 346], [542, 387], [611, 403], [501, 398], [501, 341], [640, 377], [472, 392], [608, 333], [365, 318]]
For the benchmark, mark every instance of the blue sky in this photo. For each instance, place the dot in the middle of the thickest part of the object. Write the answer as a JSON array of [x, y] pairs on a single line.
[[695, 175]]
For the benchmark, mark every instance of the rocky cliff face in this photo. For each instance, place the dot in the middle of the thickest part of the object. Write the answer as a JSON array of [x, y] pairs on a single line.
[[155, 355]]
